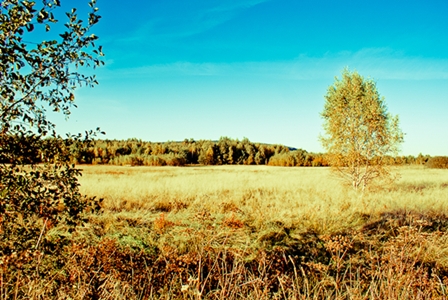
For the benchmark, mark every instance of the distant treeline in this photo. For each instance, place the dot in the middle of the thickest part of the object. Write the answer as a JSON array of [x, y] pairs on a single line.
[[225, 151], [136, 152]]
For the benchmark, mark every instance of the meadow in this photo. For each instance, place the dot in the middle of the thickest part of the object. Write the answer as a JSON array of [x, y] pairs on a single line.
[[260, 232], [309, 198]]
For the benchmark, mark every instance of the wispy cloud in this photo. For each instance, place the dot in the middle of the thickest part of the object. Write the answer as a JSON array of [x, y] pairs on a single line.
[[185, 18], [376, 63], [383, 63]]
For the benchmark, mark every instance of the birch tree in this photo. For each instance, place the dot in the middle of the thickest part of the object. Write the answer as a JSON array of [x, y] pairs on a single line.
[[359, 130]]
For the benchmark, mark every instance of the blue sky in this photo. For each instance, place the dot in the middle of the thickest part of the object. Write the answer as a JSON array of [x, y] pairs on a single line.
[[259, 69]]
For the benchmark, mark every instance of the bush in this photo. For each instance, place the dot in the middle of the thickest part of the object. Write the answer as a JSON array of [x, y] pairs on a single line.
[[438, 162], [136, 160], [155, 161], [176, 160]]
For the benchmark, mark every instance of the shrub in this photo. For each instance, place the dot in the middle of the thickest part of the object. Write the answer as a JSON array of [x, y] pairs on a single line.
[[154, 160], [176, 160], [136, 160]]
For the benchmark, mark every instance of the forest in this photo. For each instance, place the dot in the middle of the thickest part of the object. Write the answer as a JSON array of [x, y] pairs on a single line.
[[225, 151]]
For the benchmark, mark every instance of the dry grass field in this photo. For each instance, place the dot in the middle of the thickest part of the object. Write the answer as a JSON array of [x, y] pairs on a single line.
[[256, 232], [299, 197], [248, 232]]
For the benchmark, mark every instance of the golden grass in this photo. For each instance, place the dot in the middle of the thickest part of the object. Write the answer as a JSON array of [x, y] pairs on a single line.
[[251, 232], [307, 236], [310, 198]]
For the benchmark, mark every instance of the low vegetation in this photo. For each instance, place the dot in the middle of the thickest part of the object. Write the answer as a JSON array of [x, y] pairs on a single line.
[[248, 232]]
